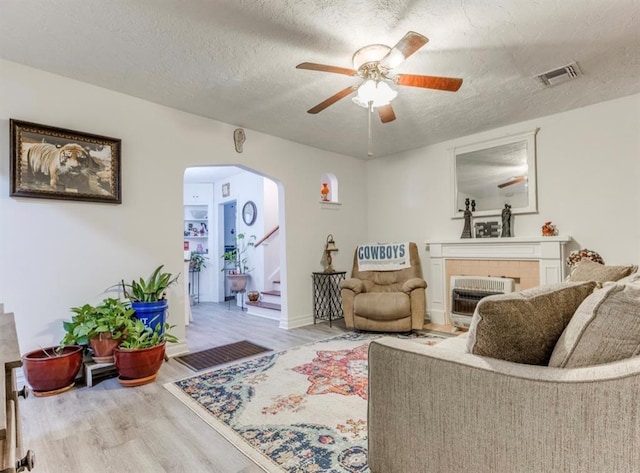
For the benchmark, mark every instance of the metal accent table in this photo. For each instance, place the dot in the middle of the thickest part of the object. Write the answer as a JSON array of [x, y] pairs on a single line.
[[194, 286], [327, 300]]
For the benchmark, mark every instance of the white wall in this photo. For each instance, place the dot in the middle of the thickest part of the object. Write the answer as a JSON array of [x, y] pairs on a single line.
[[588, 171], [271, 248], [56, 254]]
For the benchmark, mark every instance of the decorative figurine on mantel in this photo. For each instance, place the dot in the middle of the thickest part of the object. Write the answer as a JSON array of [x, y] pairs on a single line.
[[506, 221], [549, 229], [466, 231]]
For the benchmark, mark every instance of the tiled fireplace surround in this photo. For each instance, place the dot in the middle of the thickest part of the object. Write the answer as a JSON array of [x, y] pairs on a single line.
[[530, 261]]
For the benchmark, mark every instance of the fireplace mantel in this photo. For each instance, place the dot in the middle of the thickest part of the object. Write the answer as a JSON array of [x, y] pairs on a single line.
[[549, 252]]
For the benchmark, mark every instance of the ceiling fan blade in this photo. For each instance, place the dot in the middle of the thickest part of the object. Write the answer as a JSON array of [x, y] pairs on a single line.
[[429, 82], [408, 45], [324, 68], [331, 100], [386, 113], [512, 181]]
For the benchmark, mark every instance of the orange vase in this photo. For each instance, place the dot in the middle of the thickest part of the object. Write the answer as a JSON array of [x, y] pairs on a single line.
[[324, 192]]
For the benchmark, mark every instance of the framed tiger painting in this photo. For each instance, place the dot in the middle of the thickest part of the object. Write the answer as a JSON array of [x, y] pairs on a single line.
[[54, 163]]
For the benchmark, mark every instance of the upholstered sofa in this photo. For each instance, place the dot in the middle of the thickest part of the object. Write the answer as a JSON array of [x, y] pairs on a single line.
[[448, 409], [385, 301]]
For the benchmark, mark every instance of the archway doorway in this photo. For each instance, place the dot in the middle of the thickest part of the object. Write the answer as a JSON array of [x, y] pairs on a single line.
[[237, 201]]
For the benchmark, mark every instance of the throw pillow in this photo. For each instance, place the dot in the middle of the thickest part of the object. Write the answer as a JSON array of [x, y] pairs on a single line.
[[524, 326], [587, 270], [633, 278], [605, 328]]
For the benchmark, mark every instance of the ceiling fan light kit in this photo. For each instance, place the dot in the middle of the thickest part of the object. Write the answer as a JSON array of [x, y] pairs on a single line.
[[374, 93]]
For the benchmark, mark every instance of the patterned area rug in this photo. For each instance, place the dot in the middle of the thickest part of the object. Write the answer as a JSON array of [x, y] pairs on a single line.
[[300, 410], [204, 359]]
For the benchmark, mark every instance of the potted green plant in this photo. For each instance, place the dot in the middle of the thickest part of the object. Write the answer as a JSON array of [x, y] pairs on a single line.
[[237, 258], [53, 369], [101, 326], [139, 356], [148, 297], [197, 262]]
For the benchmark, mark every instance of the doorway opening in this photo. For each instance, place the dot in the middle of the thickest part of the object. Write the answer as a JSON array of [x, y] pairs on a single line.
[[238, 201]]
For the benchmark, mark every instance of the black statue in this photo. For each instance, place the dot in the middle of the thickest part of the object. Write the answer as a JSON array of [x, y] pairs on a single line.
[[466, 231], [506, 221]]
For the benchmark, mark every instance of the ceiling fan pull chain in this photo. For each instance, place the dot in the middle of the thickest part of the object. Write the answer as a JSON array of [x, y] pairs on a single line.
[[370, 152]]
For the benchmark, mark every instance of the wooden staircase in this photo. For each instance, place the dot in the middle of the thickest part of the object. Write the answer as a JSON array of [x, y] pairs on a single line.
[[268, 305]]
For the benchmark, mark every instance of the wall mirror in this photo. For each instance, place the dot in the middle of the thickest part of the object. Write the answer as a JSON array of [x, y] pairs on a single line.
[[494, 173]]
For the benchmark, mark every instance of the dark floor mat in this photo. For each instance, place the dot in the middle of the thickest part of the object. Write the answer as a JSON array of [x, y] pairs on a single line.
[[219, 355]]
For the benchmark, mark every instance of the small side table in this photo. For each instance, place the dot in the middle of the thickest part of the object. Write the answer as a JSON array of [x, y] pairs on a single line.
[[93, 371], [327, 300]]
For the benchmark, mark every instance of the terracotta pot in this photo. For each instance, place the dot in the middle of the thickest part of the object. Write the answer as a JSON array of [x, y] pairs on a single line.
[[103, 346], [142, 363], [47, 371], [253, 296], [237, 282]]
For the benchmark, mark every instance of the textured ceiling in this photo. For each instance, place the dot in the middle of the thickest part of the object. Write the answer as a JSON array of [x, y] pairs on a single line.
[[234, 60]]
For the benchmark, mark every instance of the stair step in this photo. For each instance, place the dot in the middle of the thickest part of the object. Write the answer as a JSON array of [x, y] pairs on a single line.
[[264, 305], [272, 293]]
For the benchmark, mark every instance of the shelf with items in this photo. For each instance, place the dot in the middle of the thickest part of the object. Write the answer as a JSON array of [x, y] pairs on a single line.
[[196, 237], [198, 232], [198, 247], [196, 229]]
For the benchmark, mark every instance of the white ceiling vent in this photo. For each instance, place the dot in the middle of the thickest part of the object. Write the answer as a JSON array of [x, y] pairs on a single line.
[[562, 74]]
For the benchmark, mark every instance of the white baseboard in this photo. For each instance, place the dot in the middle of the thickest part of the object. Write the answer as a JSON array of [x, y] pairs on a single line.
[[438, 317], [296, 322], [177, 349]]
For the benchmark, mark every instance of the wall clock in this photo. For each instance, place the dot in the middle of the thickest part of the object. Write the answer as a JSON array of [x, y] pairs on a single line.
[[249, 213]]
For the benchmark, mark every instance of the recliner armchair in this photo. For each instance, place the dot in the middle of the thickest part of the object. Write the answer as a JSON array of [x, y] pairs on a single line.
[[385, 301]]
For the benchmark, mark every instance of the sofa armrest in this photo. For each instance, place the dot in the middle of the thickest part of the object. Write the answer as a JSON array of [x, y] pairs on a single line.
[[431, 410], [413, 283], [353, 284]]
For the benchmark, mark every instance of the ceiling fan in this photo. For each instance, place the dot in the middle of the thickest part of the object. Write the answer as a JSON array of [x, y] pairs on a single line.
[[374, 64]]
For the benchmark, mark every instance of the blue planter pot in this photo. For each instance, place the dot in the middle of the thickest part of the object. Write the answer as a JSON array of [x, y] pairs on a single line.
[[151, 313]]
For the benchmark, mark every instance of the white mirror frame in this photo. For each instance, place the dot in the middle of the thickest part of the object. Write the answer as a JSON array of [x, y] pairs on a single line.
[[530, 139]]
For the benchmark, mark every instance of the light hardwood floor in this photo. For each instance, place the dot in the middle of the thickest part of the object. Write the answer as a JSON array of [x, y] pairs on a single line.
[[108, 428]]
